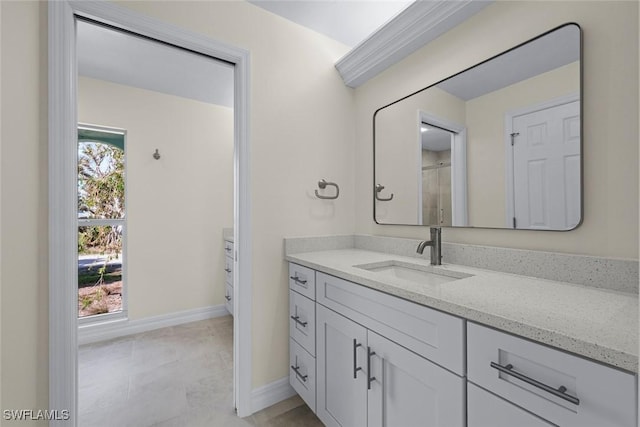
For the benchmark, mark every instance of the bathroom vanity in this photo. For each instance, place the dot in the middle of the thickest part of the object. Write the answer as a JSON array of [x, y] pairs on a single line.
[[384, 340]]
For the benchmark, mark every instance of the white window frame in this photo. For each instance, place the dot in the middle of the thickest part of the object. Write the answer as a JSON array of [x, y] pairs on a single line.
[[90, 222]]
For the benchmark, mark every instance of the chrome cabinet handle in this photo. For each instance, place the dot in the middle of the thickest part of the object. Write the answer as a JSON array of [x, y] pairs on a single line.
[[370, 379], [298, 280], [227, 297], [227, 249], [228, 270], [356, 368], [296, 369], [559, 392], [299, 322], [379, 188]]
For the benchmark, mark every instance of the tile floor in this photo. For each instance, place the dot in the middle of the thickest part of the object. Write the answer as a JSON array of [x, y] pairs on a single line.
[[178, 376]]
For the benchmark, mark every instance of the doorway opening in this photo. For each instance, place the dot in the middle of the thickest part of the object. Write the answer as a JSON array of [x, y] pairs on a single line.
[[63, 209], [442, 171]]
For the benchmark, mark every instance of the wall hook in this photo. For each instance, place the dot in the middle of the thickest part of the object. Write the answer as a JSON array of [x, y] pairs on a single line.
[[379, 188], [156, 155], [322, 184]]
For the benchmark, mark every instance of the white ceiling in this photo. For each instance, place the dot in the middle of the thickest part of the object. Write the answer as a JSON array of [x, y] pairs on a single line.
[[547, 53], [122, 58], [347, 21], [435, 139]]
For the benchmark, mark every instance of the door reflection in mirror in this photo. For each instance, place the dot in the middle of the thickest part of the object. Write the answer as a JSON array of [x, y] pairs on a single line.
[[480, 179], [436, 175]]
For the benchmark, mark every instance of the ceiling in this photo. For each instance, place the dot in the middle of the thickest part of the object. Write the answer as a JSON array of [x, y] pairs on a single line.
[[434, 138], [347, 21], [546, 53], [118, 57], [122, 58]]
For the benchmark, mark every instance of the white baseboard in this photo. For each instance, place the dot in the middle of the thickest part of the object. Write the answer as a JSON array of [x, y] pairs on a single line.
[[270, 394], [90, 333]]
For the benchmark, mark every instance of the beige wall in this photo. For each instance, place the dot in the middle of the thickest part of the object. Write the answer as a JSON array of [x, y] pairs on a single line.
[[23, 178], [610, 137], [177, 205], [485, 138], [302, 130]]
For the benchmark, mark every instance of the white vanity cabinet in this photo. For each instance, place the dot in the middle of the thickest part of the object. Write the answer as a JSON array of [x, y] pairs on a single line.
[[364, 377], [302, 333], [487, 410], [364, 358], [341, 370], [564, 389], [228, 274], [366, 380]]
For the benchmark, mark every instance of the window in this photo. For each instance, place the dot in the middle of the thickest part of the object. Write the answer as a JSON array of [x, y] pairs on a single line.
[[101, 222]]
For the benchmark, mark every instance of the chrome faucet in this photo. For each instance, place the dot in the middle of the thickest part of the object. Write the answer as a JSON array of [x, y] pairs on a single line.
[[436, 246]]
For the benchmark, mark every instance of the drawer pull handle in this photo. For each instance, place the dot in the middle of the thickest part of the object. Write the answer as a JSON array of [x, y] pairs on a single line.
[[296, 369], [370, 379], [227, 249], [227, 297], [356, 368], [228, 270], [298, 280], [559, 392], [299, 322]]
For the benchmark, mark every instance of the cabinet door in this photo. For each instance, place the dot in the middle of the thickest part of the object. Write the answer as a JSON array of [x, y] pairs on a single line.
[[341, 347], [228, 298], [410, 391], [488, 410]]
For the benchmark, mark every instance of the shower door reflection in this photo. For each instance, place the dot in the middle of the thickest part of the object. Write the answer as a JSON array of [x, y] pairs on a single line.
[[436, 193], [436, 175]]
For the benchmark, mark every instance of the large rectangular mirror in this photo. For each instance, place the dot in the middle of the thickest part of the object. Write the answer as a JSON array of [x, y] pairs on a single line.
[[497, 145]]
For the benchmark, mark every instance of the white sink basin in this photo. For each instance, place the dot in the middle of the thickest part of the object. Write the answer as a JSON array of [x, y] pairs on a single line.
[[416, 273]]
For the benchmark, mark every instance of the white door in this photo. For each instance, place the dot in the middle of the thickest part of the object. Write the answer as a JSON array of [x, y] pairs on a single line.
[[488, 410], [410, 391], [546, 168], [341, 371]]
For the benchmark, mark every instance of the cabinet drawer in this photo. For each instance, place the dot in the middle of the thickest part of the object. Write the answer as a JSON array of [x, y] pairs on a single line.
[[302, 373], [302, 321], [228, 298], [434, 335], [605, 396], [487, 410], [303, 280], [228, 270], [228, 249]]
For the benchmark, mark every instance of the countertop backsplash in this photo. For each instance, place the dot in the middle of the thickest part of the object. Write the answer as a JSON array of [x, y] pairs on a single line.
[[605, 273]]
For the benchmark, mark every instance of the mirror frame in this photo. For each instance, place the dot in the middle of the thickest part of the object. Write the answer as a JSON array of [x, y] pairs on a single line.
[[581, 92]]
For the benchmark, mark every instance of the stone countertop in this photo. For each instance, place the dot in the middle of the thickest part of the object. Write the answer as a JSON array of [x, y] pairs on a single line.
[[598, 324]]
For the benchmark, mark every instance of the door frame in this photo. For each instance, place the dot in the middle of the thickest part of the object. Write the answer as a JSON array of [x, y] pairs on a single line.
[[459, 215], [62, 164], [509, 116]]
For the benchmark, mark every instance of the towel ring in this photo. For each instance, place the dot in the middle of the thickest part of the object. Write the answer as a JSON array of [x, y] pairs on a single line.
[[379, 188], [323, 184]]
